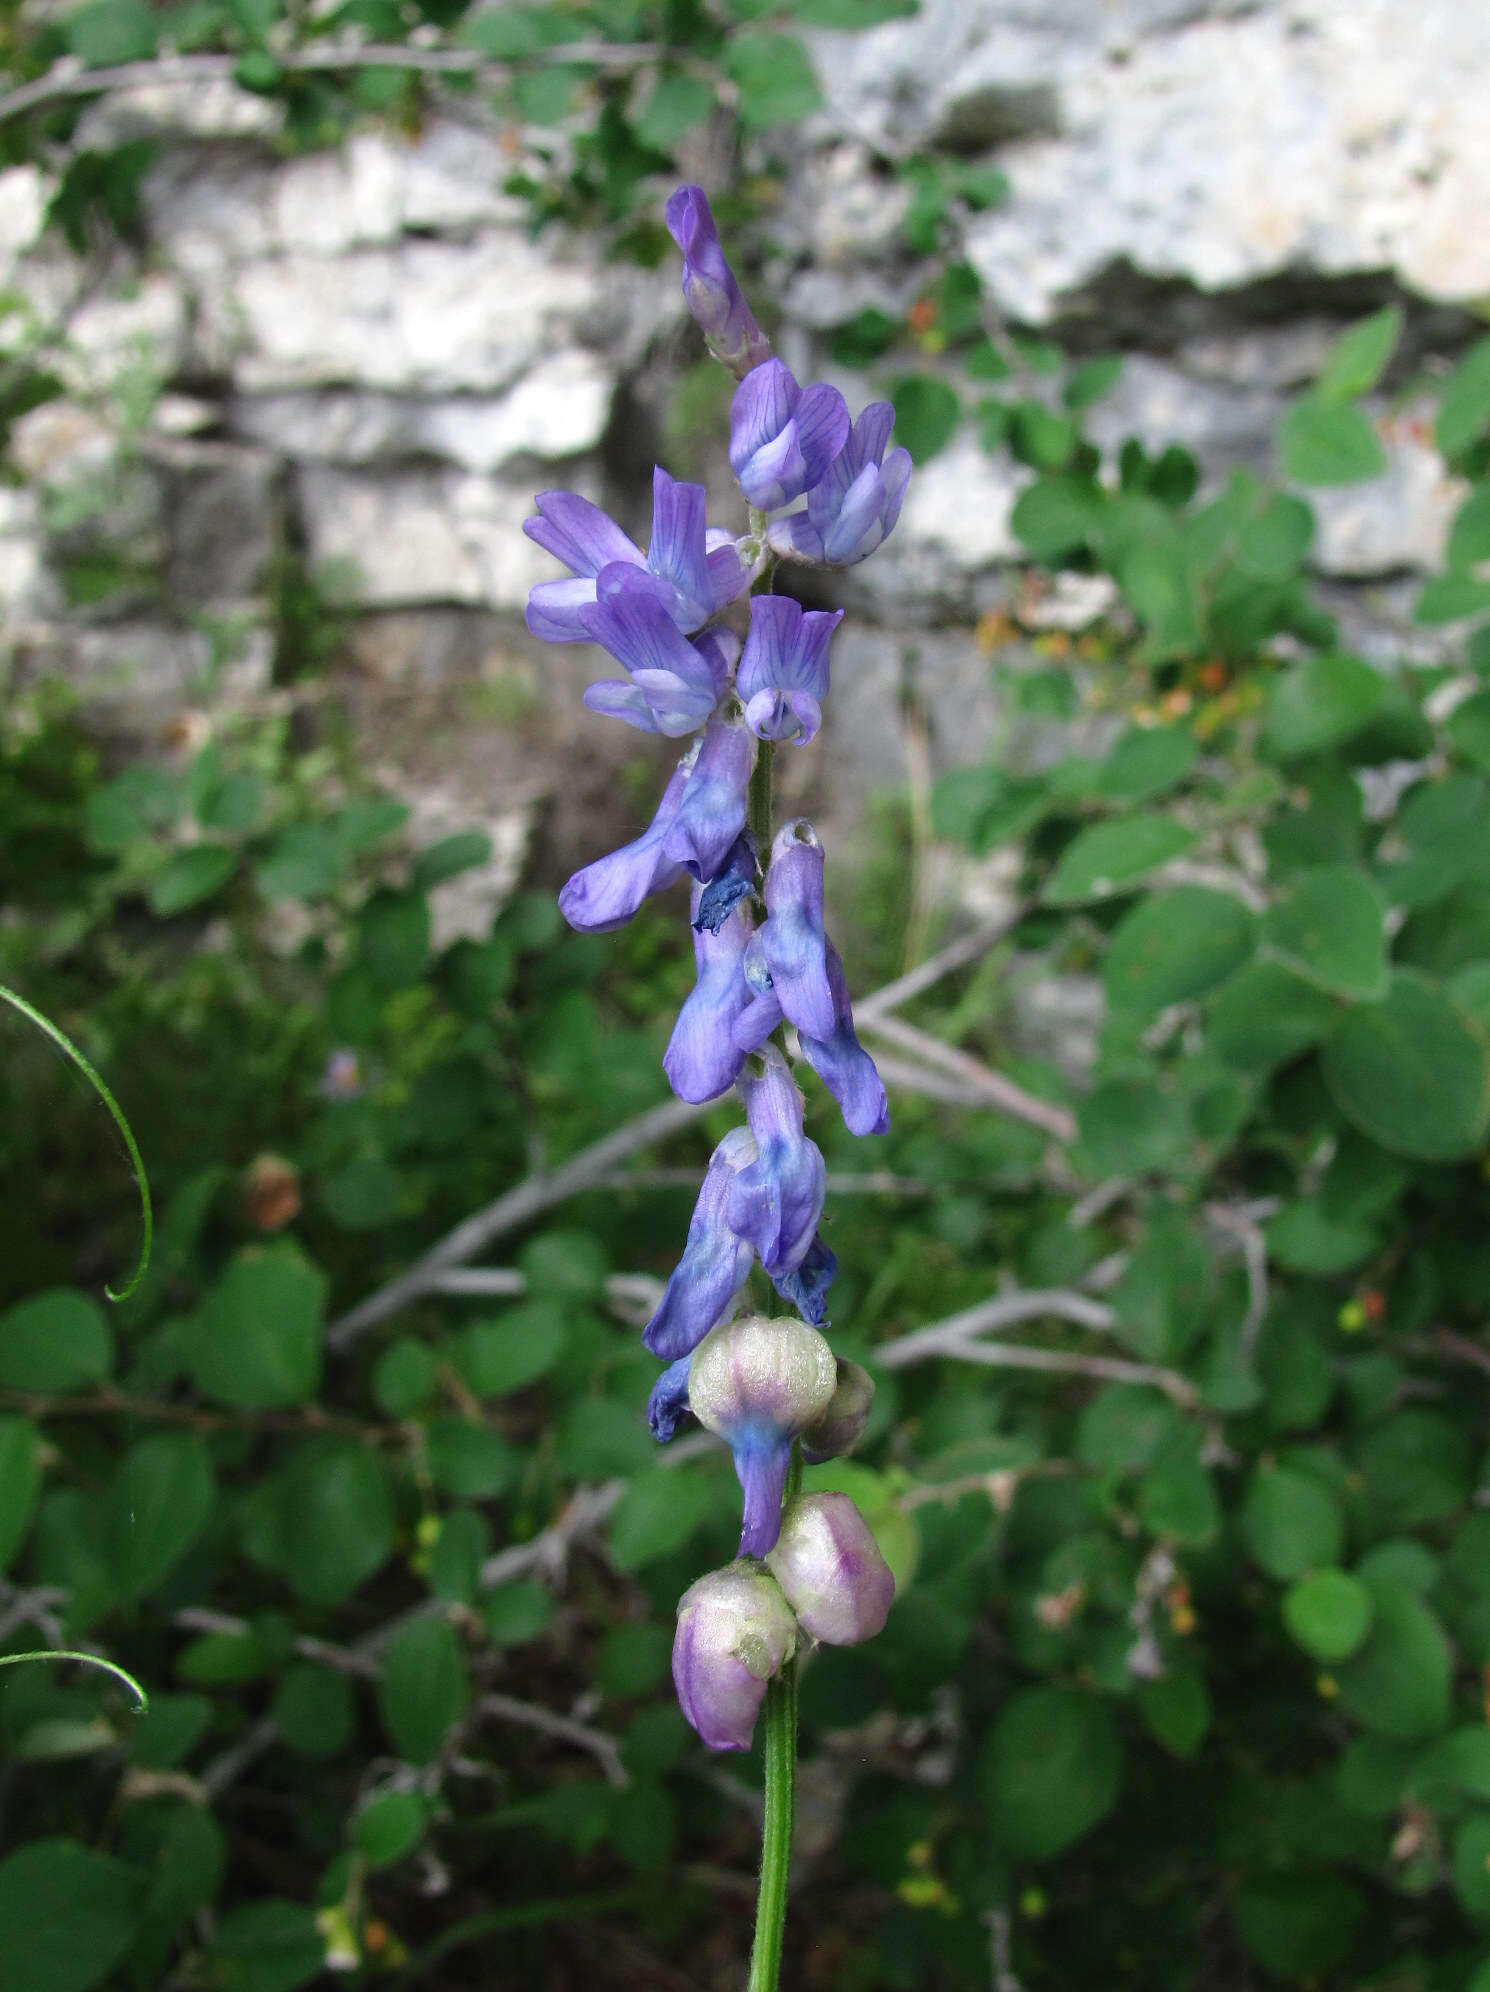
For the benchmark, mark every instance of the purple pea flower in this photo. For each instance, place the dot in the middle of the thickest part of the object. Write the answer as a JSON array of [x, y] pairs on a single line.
[[793, 943], [842, 1063], [709, 286], [782, 439], [606, 893], [713, 808], [783, 675], [699, 580], [735, 1631], [757, 1383], [734, 881], [702, 1059], [775, 1201], [667, 1405], [830, 1570], [674, 684], [856, 503], [806, 1286], [715, 1260]]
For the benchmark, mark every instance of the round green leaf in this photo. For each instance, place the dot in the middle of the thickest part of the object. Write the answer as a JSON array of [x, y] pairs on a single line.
[[633, 1658], [1299, 1925], [190, 876], [57, 1340], [390, 1826], [1464, 406], [497, 1357], [449, 857], [775, 80], [467, 1460], [1265, 1017], [1417, 1469], [159, 1503], [1324, 444], [1320, 702], [1128, 1127], [325, 1522], [657, 1514], [1177, 1709], [1468, 729], [394, 935], [457, 1556], [267, 1946], [303, 862], [516, 1613], [1050, 1770], [927, 412], [255, 1341], [1174, 947], [1329, 1613], [67, 1916], [404, 1376], [1472, 1866], [1108, 858], [313, 1710], [1145, 763], [1290, 1522], [1327, 928], [422, 1691], [1412, 1073], [1359, 357], [20, 1482], [1398, 1683]]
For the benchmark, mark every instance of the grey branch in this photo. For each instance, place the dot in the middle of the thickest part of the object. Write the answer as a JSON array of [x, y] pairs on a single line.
[[604, 1749], [541, 1192], [981, 1085]]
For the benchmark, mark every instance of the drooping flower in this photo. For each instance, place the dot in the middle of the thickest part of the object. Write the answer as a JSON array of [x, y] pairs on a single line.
[[842, 1063], [607, 892], [830, 1570], [757, 1383], [734, 881], [698, 581], [841, 1426], [793, 943], [674, 683], [667, 1405], [735, 1631], [805, 1287], [782, 438], [715, 1260], [775, 1202], [855, 504], [783, 674], [702, 1058], [711, 813], [709, 286]]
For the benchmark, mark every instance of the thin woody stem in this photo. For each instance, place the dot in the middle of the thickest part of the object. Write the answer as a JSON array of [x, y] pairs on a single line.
[[780, 1807]]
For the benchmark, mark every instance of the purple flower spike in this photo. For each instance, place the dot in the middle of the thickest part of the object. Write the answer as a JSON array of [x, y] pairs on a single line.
[[806, 1288], [668, 1404], [674, 685], [758, 1383], [702, 1059], [734, 881], [715, 1261], [782, 440], [776, 1201], [792, 939], [714, 806], [831, 1571], [783, 675], [842, 1063], [709, 286], [606, 894], [697, 580], [855, 505], [735, 1630]]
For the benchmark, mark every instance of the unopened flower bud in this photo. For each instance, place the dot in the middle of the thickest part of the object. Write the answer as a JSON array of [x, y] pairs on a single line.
[[758, 1382], [830, 1570], [841, 1426], [735, 1630]]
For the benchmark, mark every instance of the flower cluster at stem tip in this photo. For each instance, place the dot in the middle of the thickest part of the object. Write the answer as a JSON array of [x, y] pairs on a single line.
[[820, 488]]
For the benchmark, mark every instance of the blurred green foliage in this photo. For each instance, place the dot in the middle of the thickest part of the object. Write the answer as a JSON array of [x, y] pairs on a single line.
[[1187, 1681]]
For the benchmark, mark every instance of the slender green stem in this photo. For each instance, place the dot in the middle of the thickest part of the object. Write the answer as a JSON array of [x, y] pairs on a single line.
[[59, 1038], [87, 1660], [759, 805], [781, 1800]]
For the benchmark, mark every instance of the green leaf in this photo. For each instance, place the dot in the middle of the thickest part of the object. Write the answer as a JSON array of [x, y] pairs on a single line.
[[1398, 1683], [390, 1826], [1472, 1866], [1327, 927], [515, 1613], [190, 876], [1329, 445], [1299, 1926], [1329, 1613], [266, 1946], [1091, 380], [1049, 1771], [457, 1555], [927, 412], [313, 1710], [1290, 1522], [1469, 537], [1145, 763], [58, 1340], [422, 1691], [394, 939], [20, 1482], [1271, 544], [1449, 598], [452, 855], [365, 1195], [160, 1501], [633, 1658], [305, 861], [1174, 946], [467, 1460], [1057, 516], [1040, 437], [1128, 1127], [326, 1520], [1267, 1017], [136, 803], [1416, 1467], [1177, 1497], [1464, 405], [109, 32], [1108, 858], [498, 1357], [676, 105], [1177, 1709], [1124, 1427], [776, 81], [659, 1512], [1412, 1073], [67, 1916], [255, 1340], [1321, 702], [404, 1377], [1359, 357], [1306, 1238], [1468, 728], [852, 14]]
